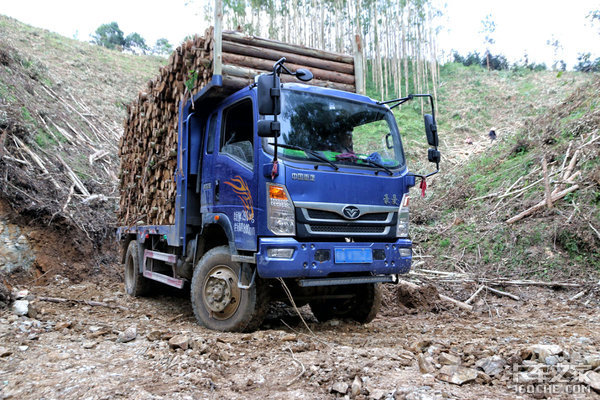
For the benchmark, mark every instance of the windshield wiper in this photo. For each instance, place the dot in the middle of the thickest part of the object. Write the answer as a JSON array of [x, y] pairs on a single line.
[[310, 152], [378, 165]]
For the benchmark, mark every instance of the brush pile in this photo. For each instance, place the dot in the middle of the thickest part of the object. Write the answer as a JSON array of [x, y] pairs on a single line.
[[148, 148]]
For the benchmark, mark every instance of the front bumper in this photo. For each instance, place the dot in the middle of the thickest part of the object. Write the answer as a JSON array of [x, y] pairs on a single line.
[[309, 259]]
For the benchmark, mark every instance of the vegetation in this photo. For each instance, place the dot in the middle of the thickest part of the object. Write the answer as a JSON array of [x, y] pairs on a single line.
[[396, 39], [112, 37]]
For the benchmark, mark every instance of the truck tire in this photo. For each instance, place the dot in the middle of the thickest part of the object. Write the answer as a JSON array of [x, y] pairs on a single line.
[[135, 283], [217, 301], [363, 307]]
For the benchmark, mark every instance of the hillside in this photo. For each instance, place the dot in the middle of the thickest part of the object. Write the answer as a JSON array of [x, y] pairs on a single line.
[[462, 226], [61, 111]]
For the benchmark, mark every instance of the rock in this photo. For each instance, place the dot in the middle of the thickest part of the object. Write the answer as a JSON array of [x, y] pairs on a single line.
[[377, 394], [62, 325], [21, 294], [23, 348], [20, 307], [127, 335], [541, 351], [180, 341], [492, 366], [289, 338], [456, 374], [32, 311], [421, 345], [592, 379], [89, 345], [4, 352], [154, 335], [592, 360], [448, 359], [356, 386], [551, 360], [339, 387], [425, 365]]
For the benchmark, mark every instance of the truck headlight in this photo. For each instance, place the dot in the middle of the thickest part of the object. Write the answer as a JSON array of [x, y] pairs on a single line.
[[403, 218], [280, 210]]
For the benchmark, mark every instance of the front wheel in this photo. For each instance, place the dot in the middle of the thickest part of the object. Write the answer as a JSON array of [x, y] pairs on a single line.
[[362, 306], [217, 300]]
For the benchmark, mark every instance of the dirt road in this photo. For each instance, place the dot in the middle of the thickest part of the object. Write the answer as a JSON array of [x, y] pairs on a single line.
[[151, 348]]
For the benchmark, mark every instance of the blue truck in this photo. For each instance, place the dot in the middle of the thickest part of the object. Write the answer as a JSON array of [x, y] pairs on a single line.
[[283, 190]]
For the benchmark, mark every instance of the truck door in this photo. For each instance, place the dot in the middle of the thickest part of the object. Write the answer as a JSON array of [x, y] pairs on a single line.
[[234, 166]]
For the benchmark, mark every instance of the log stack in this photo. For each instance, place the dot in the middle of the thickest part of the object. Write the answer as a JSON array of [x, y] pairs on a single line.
[[148, 147]]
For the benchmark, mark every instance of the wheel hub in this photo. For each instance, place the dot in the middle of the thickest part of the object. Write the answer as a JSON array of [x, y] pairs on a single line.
[[221, 294]]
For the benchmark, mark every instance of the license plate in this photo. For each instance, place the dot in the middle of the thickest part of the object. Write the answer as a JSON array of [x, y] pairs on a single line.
[[353, 255]]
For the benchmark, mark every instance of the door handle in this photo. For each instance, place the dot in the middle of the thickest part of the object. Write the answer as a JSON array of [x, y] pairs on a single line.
[[216, 190]]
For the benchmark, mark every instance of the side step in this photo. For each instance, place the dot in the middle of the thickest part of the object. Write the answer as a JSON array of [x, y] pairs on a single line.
[[166, 257], [347, 281]]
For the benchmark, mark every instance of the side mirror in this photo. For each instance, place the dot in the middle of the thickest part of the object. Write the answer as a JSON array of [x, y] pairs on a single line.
[[303, 74], [268, 91], [267, 128], [434, 156], [431, 130]]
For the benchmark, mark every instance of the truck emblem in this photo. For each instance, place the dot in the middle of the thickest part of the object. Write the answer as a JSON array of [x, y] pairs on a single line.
[[297, 176], [351, 212], [240, 187]]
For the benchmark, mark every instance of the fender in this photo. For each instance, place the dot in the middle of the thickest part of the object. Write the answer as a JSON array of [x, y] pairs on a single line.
[[223, 221]]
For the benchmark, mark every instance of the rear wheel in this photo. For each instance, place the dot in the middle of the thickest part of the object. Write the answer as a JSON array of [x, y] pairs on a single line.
[[363, 306], [135, 283], [217, 300]]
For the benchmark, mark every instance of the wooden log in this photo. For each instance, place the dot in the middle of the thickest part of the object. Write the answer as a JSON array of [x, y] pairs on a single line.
[[275, 55], [541, 204], [238, 77], [267, 65], [238, 37]]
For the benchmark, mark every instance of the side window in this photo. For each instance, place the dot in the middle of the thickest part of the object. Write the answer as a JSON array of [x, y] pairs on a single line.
[[237, 132], [212, 130]]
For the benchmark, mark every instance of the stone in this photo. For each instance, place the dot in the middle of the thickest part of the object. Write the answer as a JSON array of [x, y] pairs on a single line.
[[448, 359], [492, 366], [421, 345], [551, 360], [154, 335], [425, 365], [289, 338], [180, 341], [356, 386], [4, 352], [23, 348], [592, 360], [63, 325], [592, 379], [456, 374], [20, 307], [339, 387], [127, 335], [377, 394], [89, 345], [541, 351]]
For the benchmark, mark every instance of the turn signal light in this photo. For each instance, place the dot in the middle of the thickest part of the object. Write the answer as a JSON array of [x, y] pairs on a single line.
[[277, 192]]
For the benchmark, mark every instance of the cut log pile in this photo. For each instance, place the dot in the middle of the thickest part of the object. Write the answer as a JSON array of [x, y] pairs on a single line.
[[148, 147]]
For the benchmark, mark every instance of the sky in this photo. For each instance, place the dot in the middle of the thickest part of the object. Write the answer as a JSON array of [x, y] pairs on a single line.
[[522, 26]]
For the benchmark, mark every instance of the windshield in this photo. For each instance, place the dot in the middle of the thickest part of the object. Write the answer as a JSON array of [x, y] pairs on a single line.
[[343, 131]]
